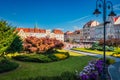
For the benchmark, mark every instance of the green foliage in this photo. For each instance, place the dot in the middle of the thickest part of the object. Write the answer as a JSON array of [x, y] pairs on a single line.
[[6, 36], [95, 46], [63, 76], [117, 51], [6, 65], [39, 58], [109, 60], [16, 45]]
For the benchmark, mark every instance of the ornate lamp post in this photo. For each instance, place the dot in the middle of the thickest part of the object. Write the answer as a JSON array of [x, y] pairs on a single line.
[[104, 5]]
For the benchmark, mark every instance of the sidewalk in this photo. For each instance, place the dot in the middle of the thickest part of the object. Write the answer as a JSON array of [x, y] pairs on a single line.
[[114, 69]]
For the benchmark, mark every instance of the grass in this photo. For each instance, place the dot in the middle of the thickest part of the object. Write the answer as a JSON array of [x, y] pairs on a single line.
[[29, 69], [92, 51]]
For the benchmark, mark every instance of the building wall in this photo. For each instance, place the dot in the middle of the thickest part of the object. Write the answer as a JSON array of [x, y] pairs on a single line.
[[23, 34]]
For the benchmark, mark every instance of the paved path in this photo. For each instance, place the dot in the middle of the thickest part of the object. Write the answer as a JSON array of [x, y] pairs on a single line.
[[113, 69]]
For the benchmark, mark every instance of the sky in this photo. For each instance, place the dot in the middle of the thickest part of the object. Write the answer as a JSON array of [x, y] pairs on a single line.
[[67, 15]]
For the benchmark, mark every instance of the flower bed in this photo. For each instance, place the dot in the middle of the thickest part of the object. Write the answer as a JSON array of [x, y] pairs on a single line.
[[92, 71]]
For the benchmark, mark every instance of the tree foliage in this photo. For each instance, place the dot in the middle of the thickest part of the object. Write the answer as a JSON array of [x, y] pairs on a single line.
[[41, 45], [6, 36], [111, 42], [16, 45]]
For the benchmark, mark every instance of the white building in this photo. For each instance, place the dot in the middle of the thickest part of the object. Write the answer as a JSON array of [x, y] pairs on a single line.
[[89, 31], [36, 32]]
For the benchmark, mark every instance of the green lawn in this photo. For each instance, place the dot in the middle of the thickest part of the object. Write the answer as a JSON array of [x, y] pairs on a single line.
[[92, 51], [29, 69]]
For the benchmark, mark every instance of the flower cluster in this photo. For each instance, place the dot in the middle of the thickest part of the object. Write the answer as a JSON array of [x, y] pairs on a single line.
[[91, 71]]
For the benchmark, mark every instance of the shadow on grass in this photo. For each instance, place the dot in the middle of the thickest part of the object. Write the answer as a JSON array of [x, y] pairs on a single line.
[[63, 76]]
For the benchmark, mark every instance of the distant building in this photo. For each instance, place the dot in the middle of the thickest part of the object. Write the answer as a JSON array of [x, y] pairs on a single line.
[[89, 31], [36, 32], [75, 36], [112, 29]]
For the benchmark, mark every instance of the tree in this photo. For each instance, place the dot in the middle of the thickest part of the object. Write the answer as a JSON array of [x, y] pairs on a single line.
[[6, 36], [16, 45], [41, 45]]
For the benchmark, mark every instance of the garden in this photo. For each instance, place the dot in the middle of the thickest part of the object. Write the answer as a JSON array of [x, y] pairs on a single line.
[[112, 48], [42, 59]]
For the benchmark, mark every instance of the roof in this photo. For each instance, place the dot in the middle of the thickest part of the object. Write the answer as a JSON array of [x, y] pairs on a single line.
[[77, 31], [116, 20], [91, 24], [57, 31], [68, 33], [34, 30]]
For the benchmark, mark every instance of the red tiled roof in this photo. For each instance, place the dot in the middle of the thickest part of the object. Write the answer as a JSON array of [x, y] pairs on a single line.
[[34, 30], [116, 18], [56, 31], [68, 33]]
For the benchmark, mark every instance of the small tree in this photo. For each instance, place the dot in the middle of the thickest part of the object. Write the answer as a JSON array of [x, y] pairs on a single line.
[[41, 45], [16, 45], [6, 36]]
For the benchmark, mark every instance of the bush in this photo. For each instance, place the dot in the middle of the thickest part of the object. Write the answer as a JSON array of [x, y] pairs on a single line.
[[109, 60], [6, 65], [41, 45], [95, 45], [41, 58], [116, 53]]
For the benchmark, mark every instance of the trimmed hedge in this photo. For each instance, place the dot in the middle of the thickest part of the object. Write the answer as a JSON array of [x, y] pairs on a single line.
[[42, 58], [6, 65]]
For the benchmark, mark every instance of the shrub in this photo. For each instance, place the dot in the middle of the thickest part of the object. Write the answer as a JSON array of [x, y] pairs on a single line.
[[111, 48], [41, 58], [108, 60], [95, 45], [41, 45], [6, 65]]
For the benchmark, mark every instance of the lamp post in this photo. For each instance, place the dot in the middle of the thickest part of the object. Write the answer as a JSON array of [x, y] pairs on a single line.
[[104, 5]]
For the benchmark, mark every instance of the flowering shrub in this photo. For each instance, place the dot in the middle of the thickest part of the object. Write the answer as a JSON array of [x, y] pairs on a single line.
[[41, 45], [60, 56], [116, 53], [91, 71]]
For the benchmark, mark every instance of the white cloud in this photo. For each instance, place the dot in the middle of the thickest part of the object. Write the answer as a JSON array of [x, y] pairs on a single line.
[[116, 7], [77, 20]]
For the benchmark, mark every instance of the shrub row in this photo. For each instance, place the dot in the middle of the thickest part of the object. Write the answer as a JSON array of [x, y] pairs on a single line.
[[42, 58], [97, 46], [6, 65], [116, 53]]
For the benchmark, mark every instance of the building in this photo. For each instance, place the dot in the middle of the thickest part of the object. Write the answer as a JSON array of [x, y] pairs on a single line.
[[112, 29], [75, 36], [89, 31], [39, 33]]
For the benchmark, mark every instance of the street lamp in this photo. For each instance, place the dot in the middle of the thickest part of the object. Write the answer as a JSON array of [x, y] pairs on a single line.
[[104, 5]]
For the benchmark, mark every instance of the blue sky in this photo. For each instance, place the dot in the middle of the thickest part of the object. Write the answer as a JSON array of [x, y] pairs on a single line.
[[50, 14]]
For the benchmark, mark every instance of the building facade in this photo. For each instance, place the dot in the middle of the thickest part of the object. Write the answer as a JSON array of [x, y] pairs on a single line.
[[39, 33], [75, 36], [89, 31]]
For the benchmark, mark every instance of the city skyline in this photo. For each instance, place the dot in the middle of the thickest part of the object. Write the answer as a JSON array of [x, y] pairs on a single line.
[[50, 14]]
